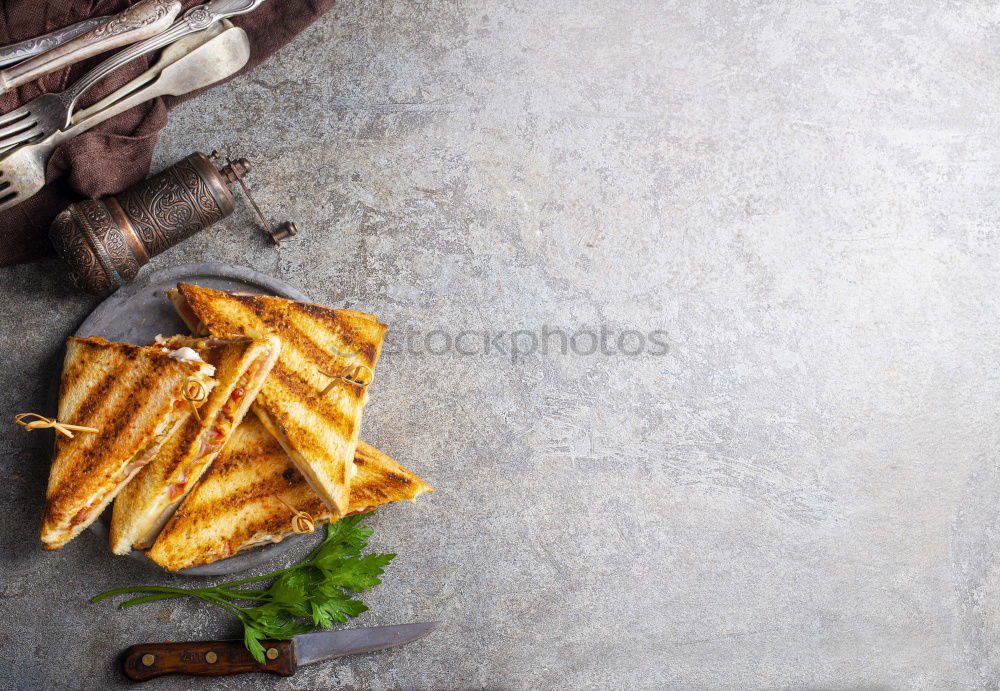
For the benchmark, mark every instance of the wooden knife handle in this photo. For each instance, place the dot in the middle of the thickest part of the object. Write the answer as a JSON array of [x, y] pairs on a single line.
[[141, 21], [205, 659]]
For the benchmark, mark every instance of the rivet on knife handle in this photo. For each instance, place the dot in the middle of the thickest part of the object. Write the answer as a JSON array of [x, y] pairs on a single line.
[[206, 659], [141, 21]]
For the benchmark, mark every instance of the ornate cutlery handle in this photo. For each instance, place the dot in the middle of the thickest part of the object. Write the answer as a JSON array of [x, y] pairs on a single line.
[[16, 52], [195, 19], [142, 20]]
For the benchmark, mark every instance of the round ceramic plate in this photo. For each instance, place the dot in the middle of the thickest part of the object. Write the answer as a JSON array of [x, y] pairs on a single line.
[[136, 314]]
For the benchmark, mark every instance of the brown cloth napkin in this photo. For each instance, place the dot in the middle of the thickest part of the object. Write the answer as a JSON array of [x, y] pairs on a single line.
[[116, 153]]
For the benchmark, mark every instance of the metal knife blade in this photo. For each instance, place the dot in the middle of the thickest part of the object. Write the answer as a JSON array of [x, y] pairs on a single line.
[[326, 645], [22, 50]]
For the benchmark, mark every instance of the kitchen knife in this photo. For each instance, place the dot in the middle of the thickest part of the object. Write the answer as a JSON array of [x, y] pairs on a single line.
[[218, 658]]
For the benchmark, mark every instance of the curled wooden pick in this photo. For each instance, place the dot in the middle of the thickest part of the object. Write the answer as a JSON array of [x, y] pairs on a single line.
[[42, 422], [302, 522], [359, 375], [195, 392]]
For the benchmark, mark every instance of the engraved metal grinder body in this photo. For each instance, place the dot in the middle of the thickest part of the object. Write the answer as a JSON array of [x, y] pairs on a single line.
[[106, 241]]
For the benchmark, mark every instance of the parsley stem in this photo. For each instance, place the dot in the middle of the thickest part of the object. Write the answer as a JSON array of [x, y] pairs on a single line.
[[242, 594], [147, 598], [254, 579], [220, 602], [138, 589]]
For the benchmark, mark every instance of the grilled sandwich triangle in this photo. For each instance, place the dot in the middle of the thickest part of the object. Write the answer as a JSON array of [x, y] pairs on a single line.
[[135, 397]]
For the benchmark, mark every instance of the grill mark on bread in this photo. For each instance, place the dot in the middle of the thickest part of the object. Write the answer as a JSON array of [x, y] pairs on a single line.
[[146, 497], [340, 326], [259, 306], [85, 408], [275, 312], [260, 490], [354, 393], [294, 384], [87, 357], [272, 312], [379, 486], [73, 370], [200, 302], [118, 421], [234, 504], [90, 468], [296, 339], [73, 367], [90, 449], [317, 474]]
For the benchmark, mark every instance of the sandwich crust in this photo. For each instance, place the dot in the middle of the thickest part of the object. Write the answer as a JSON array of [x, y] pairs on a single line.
[[142, 507], [244, 498], [134, 396], [319, 431]]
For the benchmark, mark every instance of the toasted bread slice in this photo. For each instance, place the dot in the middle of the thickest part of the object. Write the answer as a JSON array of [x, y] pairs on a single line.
[[308, 403], [244, 499], [134, 396], [145, 504]]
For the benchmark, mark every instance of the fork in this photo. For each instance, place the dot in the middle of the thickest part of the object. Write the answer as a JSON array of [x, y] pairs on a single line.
[[22, 171], [49, 113]]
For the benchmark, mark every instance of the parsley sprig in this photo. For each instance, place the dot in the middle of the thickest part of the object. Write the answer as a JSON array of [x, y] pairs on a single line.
[[314, 592]]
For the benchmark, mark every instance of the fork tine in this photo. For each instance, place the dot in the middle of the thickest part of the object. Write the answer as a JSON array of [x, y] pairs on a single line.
[[13, 115], [17, 128], [20, 138]]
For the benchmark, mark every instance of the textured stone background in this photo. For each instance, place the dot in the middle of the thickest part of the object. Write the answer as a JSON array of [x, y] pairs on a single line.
[[802, 195]]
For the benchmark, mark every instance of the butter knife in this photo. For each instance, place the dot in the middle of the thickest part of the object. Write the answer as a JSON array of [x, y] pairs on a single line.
[[22, 50], [220, 658], [141, 21]]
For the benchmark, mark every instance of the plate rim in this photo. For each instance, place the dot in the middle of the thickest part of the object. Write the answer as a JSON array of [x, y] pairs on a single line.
[[172, 273]]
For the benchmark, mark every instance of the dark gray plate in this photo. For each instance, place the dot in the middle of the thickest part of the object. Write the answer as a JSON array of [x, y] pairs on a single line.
[[136, 314]]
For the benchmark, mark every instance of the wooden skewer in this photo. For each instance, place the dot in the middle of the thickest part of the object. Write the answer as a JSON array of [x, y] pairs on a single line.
[[302, 522], [353, 375], [195, 392], [42, 422]]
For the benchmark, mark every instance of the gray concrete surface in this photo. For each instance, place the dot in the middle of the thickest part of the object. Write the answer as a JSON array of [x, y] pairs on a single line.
[[801, 196]]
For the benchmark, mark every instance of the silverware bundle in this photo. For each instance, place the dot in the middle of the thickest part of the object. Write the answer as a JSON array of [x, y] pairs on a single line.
[[201, 49]]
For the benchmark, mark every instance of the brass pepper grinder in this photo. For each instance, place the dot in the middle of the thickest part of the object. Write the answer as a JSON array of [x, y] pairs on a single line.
[[106, 241]]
